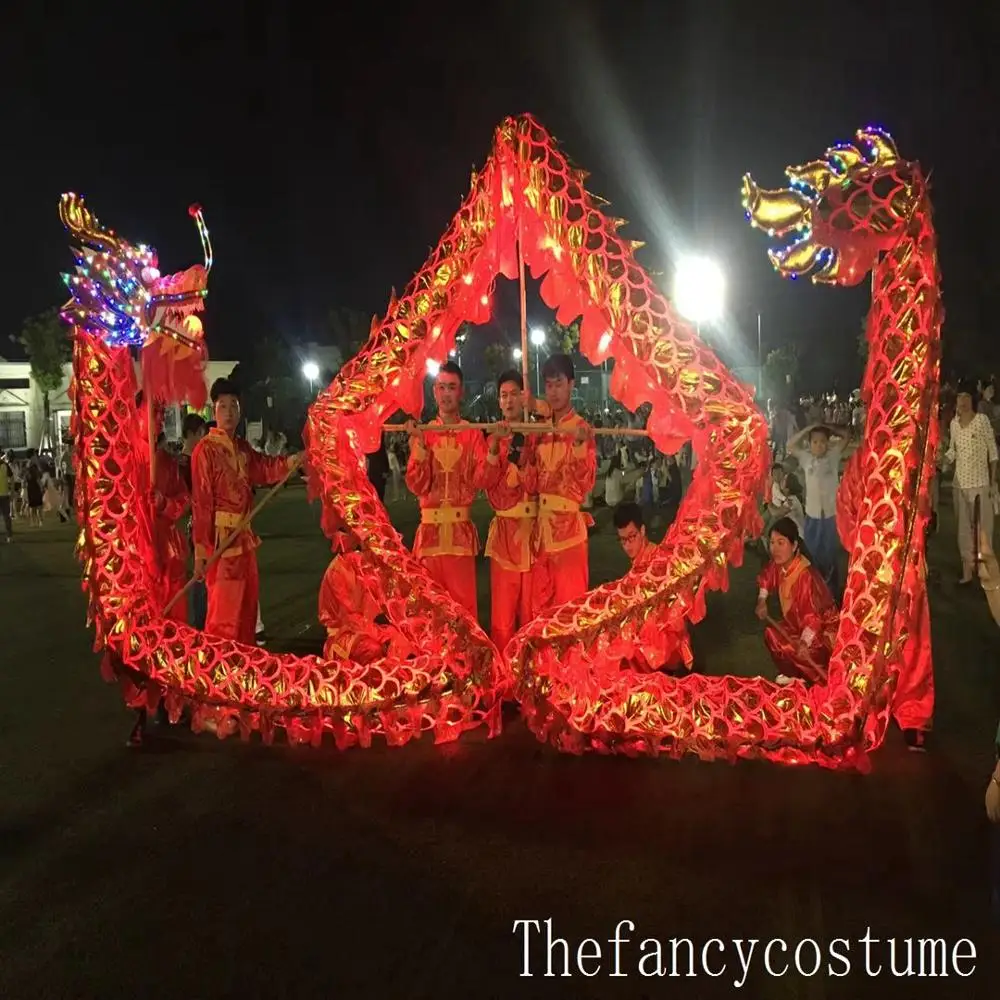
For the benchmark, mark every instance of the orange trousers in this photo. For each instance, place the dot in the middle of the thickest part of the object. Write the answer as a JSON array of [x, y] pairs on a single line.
[[457, 574], [913, 704], [175, 582], [558, 577], [510, 603], [784, 650], [233, 588]]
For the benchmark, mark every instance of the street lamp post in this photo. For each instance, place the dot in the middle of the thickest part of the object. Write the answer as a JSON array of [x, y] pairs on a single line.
[[760, 363], [538, 341]]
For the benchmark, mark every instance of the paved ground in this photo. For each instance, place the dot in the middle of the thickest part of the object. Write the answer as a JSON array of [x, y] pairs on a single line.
[[206, 869]]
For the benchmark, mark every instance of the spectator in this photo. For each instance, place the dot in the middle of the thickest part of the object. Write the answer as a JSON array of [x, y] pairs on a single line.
[[972, 448], [6, 487]]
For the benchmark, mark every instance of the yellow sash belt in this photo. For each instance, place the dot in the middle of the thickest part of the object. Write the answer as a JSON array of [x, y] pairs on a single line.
[[445, 514], [521, 510]]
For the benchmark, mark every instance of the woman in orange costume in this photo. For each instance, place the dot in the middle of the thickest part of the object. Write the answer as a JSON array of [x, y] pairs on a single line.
[[349, 613], [801, 644]]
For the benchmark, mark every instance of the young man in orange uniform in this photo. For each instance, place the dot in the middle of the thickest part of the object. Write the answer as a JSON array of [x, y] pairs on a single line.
[[224, 471], [349, 612], [446, 470], [508, 545], [659, 646], [564, 471]]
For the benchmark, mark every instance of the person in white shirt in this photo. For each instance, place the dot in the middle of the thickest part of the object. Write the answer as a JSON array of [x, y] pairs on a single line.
[[972, 449], [820, 463]]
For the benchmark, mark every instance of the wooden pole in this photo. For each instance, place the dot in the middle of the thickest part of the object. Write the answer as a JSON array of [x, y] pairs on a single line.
[[525, 428], [524, 320], [240, 528]]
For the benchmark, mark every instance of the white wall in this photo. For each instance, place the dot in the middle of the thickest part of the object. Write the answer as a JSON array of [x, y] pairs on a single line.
[[28, 401]]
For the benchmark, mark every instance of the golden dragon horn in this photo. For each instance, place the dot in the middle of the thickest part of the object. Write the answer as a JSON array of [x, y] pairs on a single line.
[[778, 212], [83, 224]]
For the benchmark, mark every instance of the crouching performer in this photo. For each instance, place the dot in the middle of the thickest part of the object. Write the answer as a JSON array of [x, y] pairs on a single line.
[[802, 642], [356, 628], [659, 646]]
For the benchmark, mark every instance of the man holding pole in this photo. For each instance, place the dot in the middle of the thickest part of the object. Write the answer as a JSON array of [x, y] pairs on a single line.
[[565, 469], [445, 471], [508, 545], [224, 472]]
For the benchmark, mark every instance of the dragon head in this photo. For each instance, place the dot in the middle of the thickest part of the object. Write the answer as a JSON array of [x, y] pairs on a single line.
[[838, 212], [117, 291]]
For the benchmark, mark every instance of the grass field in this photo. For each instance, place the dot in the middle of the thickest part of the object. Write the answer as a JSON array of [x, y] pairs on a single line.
[[202, 869]]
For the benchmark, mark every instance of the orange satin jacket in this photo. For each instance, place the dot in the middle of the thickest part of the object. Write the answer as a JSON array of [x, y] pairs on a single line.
[[508, 543], [445, 476], [807, 605], [659, 644], [561, 472], [348, 611], [224, 471], [173, 500]]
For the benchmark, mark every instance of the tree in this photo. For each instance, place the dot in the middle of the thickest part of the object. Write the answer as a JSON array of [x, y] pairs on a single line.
[[780, 370], [49, 346], [564, 339], [497, 358], [272, 389]]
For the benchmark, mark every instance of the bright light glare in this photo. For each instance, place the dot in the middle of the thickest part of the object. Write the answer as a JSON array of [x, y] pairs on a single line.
[[699, 289], [311, 370], [516, 353], [538, 336], [433, 367]]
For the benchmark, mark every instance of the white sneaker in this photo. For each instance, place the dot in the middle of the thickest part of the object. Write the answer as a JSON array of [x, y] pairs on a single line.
[[783, 680]]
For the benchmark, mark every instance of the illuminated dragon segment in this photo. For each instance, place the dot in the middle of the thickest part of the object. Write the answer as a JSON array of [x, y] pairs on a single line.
[[122, 303], [861, 208]]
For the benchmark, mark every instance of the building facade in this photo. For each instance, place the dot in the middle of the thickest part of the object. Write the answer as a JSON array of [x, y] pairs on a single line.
[[22, 407]]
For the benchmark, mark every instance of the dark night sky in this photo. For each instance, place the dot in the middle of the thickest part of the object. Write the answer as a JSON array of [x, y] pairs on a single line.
[[330, 150]]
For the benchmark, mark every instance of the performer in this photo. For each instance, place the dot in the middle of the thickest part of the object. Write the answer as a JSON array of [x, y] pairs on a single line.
[[508, 544], [565, 470], [800, 645], [224, 470], [445, 470], [171, 498], [658, 646], [193, 429], [349, 612]]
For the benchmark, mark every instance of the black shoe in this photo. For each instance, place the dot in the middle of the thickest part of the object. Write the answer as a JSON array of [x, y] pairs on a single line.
[[136, 737], [261, 638], [916, 740]]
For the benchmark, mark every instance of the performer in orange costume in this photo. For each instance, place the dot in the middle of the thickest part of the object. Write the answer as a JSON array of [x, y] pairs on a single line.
[[657, 646], [508, 544], [445, 471], [171, 498], [350, 614], [562, 471], [224, 471], [801, 645]]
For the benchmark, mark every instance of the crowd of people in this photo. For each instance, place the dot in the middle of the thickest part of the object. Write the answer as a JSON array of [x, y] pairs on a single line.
[[32, 486]]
